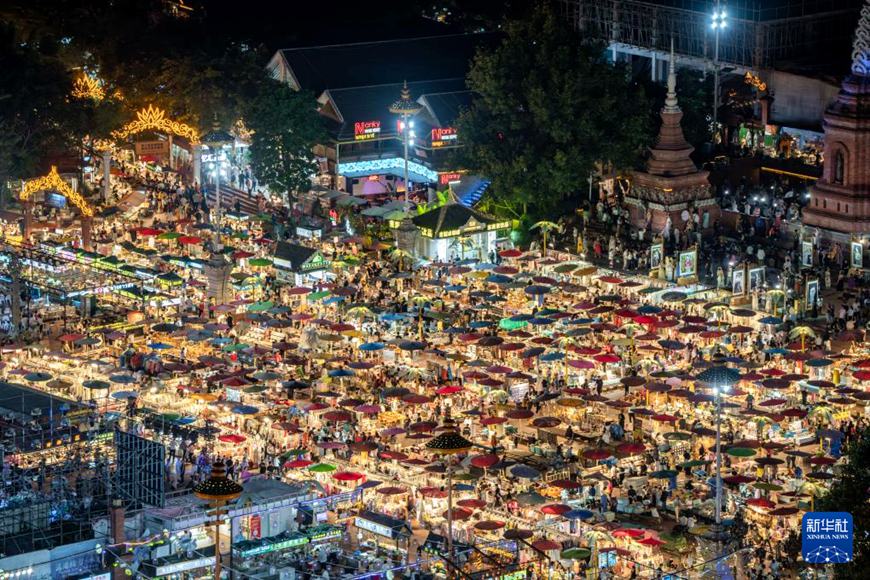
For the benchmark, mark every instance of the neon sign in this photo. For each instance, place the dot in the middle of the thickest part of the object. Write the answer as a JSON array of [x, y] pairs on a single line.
[[448, 178], [365, 130], [442, 136]]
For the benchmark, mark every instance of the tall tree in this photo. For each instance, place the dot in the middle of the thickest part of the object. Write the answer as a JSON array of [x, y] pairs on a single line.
[[286, 126], [548, 109], [849, 494]]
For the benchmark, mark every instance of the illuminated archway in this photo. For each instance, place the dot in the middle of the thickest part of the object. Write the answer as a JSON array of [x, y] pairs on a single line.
[[54, 181], [153, 118]]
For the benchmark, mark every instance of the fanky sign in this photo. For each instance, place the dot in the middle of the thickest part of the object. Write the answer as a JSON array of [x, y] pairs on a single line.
[[365, 130], [442, 136]]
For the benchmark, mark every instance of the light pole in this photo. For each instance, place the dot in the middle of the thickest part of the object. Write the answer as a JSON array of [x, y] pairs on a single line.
[[215, 140], [719, 20], [218, 491], [406, 108]]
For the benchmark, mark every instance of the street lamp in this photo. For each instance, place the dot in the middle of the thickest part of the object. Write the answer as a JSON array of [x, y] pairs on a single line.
[[406, 108], [719, 20], [449, 442], [721, 378], [218, 491], [216, 140]]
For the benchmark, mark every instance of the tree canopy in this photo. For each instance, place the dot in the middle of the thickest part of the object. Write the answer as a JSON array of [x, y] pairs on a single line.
[[849, 494], [286, 126], [548, 109]]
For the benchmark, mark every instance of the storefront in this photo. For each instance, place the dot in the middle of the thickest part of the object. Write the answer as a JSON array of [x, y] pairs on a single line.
[[376, 527], [454, 231], [299, 265]]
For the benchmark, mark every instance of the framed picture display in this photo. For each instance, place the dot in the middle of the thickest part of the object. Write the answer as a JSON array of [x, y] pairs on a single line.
[[811, 293], [656, 253], [806, 254], [856, 256], [687, 265], [756, 278], [738, 282]]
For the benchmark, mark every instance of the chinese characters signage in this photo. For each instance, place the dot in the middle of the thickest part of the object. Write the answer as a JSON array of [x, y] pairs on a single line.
[[365, 130], [826, 537], [442, 136]]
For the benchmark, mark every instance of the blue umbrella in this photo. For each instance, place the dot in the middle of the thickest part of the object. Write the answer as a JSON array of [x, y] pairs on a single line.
[[525, 472], [649, 309], [462, 487], [495, 298], [671, 345], [456, 330], [369, 484], [498, 279], [122, 379], [574, 321], [532, 352], [521, 318], [392, 316], [552, 357], [484, 266], [199, 335], [541, 321], [779, 351], [771, 320], [341, 373], [159, 346], [37, 377], [412, 345], [124, 394], [221, 341], [719, 376], [480, 324], [578, 514], [245, 410], [185, 420], [454, 287], [815, 362], [371, 346], [536, 290], [334, 300], [548, 311], [95, 384]]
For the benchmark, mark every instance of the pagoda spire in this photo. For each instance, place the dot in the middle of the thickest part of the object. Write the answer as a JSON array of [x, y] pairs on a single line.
[[861, 44], [671, 105]]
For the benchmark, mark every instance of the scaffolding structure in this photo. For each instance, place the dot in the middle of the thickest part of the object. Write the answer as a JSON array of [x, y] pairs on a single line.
[[761, 34]]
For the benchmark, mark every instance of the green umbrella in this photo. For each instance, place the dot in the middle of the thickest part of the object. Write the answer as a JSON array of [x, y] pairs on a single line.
[[170, 416], [239, 235], [260, 306], [694, 463], [322, 468], [260, 262], [678, 436], [464, 477], [254, 389], [764, 486], [663, 474], [235, 347], [565, 268], [576, 554], [169, 236], [315, 296], [740, 452]]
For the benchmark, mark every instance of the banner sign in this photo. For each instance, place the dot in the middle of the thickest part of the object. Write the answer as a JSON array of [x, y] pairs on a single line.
[[152, 148], [442, 136]]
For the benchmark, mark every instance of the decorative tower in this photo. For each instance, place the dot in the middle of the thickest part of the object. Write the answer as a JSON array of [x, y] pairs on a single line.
[[671, 184], [840, 200]]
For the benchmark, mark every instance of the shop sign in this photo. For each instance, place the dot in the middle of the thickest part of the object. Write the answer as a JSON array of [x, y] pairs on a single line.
[[324, 535], [152, 148], [448, 178], [255, 527], [365, 130], [316, 262], [277, 546], [374, 527], [442, 136], [177, 567]]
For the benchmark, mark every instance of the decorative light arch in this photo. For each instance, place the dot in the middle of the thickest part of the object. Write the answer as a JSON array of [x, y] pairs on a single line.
[[153, 118], [54, 181]]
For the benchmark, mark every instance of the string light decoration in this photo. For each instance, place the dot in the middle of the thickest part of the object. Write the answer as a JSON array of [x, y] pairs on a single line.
[[54, 181], [153, 118], [755, 81], [103, 145], [86, 87], [218, 488]]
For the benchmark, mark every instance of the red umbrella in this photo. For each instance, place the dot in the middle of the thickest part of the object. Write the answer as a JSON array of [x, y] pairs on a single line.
[[737, 479], [316, 407], [862, 375], [189, 240], [493, 420], [510, 253], [298, 464], [148, 232], [517, 534], [489, 525], [337, 416], [519, 414], [396, 455], [546, 422], [566, 484], [71, 337], [449, 390], [630, 449], [391, 490], [581, 364], [471, 503], [232, 438], [627, 533], [596, 454], [546, 545], [651, 542], [606, 358], [555, 509], [822, 460], [416, 399], [499, 369], [611, 280], [348, 476], [484, 461], [433, 492], [663, 418], [458, 514], [761, 502]]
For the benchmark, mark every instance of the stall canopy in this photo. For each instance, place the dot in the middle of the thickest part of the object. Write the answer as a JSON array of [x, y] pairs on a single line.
[[382, 525], [298, 259]]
